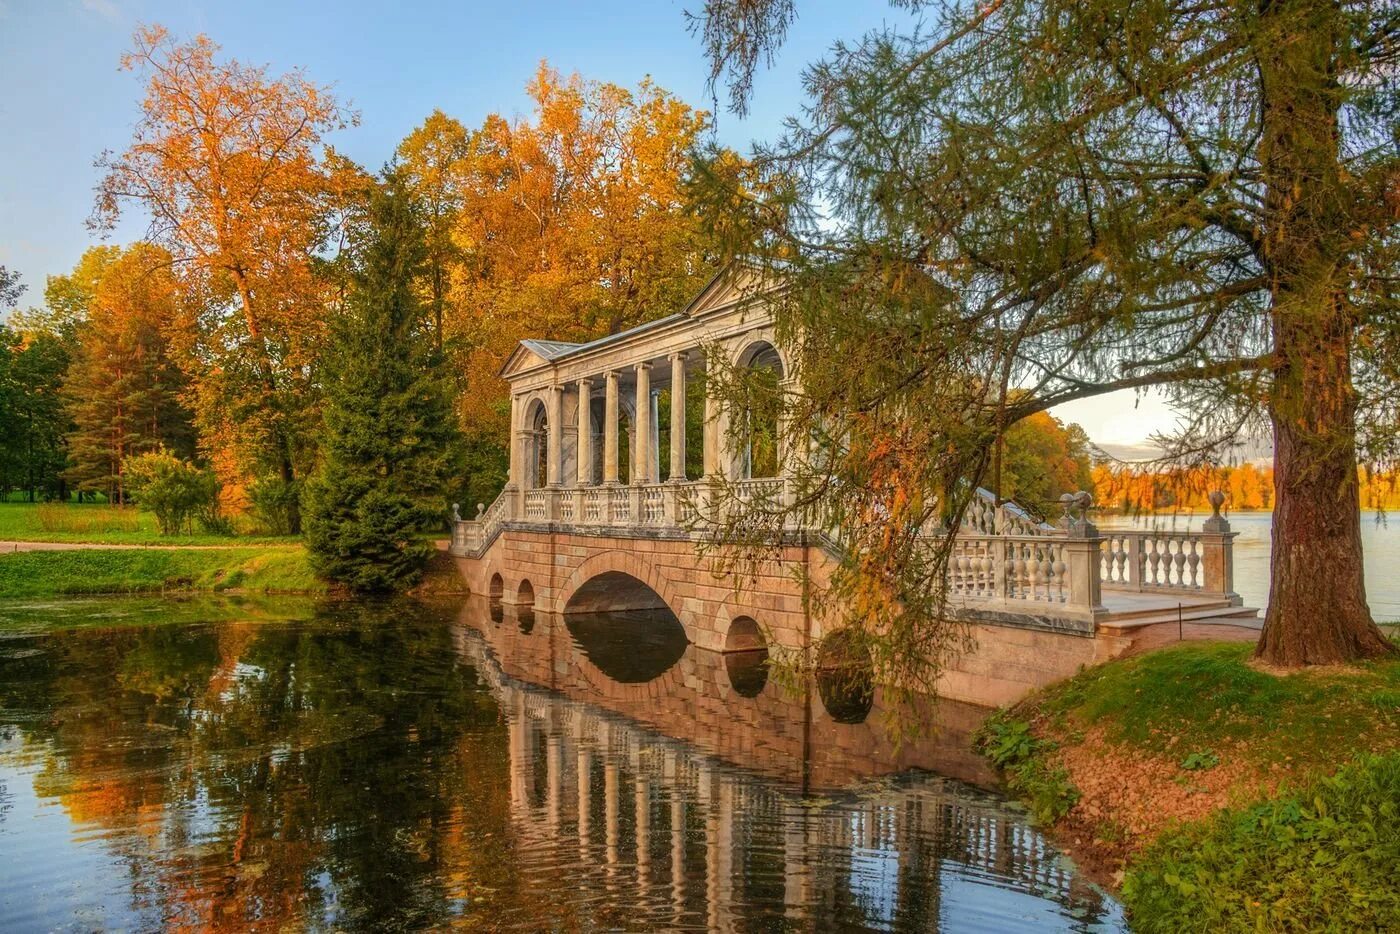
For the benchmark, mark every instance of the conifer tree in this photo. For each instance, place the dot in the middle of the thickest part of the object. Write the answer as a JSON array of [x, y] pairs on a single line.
[[122, 392], [388, 418], [1011, 205]]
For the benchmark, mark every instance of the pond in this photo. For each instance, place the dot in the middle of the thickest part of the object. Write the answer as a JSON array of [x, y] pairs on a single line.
[[276, 763], [1380, 544]]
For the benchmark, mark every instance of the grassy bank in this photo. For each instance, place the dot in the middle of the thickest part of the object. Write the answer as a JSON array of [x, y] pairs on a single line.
[[1219, 795], [102, 524], [266, 569]]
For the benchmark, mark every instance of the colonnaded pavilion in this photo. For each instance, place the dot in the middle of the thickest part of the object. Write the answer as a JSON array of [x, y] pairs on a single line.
[[606, 511]]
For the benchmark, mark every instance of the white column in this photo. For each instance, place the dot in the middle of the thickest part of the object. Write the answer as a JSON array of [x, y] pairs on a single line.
[[654, 441], [610, 429], [641, 460], [516, 477], [585, 432], [555, 415], [677, 417], [716, 444]]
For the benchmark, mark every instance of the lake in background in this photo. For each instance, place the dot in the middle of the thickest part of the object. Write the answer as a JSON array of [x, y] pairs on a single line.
[[1380, 541]]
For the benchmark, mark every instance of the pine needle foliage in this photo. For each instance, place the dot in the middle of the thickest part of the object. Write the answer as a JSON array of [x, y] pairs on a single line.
[[1002, 207], [388, 417]]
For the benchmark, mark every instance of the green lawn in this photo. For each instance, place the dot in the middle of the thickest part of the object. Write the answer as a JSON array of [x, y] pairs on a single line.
[[267, 569], [102, 524]]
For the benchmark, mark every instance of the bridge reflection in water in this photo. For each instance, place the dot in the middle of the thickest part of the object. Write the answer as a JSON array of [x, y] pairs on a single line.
[[678, 796]]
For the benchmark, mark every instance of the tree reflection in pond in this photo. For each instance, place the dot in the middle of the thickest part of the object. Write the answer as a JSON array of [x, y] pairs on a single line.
[[375, 767]]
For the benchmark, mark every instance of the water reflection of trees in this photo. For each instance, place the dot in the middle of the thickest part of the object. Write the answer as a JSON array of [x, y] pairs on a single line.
[[259, 774], [373, 767]]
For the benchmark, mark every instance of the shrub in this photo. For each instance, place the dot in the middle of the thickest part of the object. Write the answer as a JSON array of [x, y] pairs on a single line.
[[176, 491], [1025, 762], [276, 503], [1322, 858]]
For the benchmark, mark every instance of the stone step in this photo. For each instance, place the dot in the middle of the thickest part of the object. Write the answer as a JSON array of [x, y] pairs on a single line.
[[1240, 615]]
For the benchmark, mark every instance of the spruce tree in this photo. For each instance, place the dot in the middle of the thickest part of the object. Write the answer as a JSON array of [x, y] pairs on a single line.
[[387, 420]]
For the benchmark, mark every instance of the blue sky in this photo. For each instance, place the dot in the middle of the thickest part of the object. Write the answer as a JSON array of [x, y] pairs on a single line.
[[65, 100]]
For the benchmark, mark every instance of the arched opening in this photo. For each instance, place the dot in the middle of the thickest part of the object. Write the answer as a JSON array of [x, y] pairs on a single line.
[[525, 594], [625, 628], [497, 591], [536, 446], [762, 405], [746, 657], [845, 677], [614, 591]]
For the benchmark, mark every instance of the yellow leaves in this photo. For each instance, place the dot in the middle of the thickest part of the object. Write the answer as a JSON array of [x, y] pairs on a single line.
[[566, 225]]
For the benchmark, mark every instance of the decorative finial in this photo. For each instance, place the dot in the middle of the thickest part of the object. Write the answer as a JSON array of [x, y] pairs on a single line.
[[480, 508], [1066, 504], [456, 512], [1216, 522]]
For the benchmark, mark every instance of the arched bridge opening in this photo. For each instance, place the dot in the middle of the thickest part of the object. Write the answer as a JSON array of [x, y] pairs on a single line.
[[613, 592], [625, 628]]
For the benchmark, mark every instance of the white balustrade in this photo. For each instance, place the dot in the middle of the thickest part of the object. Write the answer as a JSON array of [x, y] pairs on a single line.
[[1001, 557], [619, 506], [1134, 560], [653, 504], [594, 505]]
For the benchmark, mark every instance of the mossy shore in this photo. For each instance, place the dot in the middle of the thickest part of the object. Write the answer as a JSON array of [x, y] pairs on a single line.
[[250, 569], [1216, 795]]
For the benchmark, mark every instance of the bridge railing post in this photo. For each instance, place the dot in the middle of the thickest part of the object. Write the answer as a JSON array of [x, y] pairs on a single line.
[[1083, 554], [1218, 552]]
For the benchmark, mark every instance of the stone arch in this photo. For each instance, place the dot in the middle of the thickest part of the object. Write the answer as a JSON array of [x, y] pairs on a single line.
[[759, 453], [631, 565], [497, 587], [525, 594], [746, 657], [536, 424]]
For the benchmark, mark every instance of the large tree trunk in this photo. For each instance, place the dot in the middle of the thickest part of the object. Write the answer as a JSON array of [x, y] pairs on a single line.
[[1317, 596]]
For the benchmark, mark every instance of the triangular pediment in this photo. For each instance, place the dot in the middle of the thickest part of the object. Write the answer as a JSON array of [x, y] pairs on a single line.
[[732, 285]]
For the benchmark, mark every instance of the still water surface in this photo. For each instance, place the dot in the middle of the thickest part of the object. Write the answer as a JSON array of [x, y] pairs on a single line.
[[1380, 544], [242, 765]]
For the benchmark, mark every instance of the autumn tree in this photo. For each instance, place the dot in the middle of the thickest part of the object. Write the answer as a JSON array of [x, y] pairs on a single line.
[[1021, 203], [123, 388], [1042, 459], [229, 164], [433, 164]]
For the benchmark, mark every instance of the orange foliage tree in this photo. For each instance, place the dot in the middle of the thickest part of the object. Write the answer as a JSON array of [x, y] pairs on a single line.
[[123, 388], [229, 164]]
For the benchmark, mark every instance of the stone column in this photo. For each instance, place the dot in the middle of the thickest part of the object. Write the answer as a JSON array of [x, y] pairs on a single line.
[[654, 441], [516, 479], [585, 432], [610, 430], [555, 414], [677, 417], [641, 449]]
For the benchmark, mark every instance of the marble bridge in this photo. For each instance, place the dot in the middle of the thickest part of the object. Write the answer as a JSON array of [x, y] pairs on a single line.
[[594, 518]]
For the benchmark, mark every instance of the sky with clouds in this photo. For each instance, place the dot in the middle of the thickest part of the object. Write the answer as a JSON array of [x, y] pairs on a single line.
[[66, 99]]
